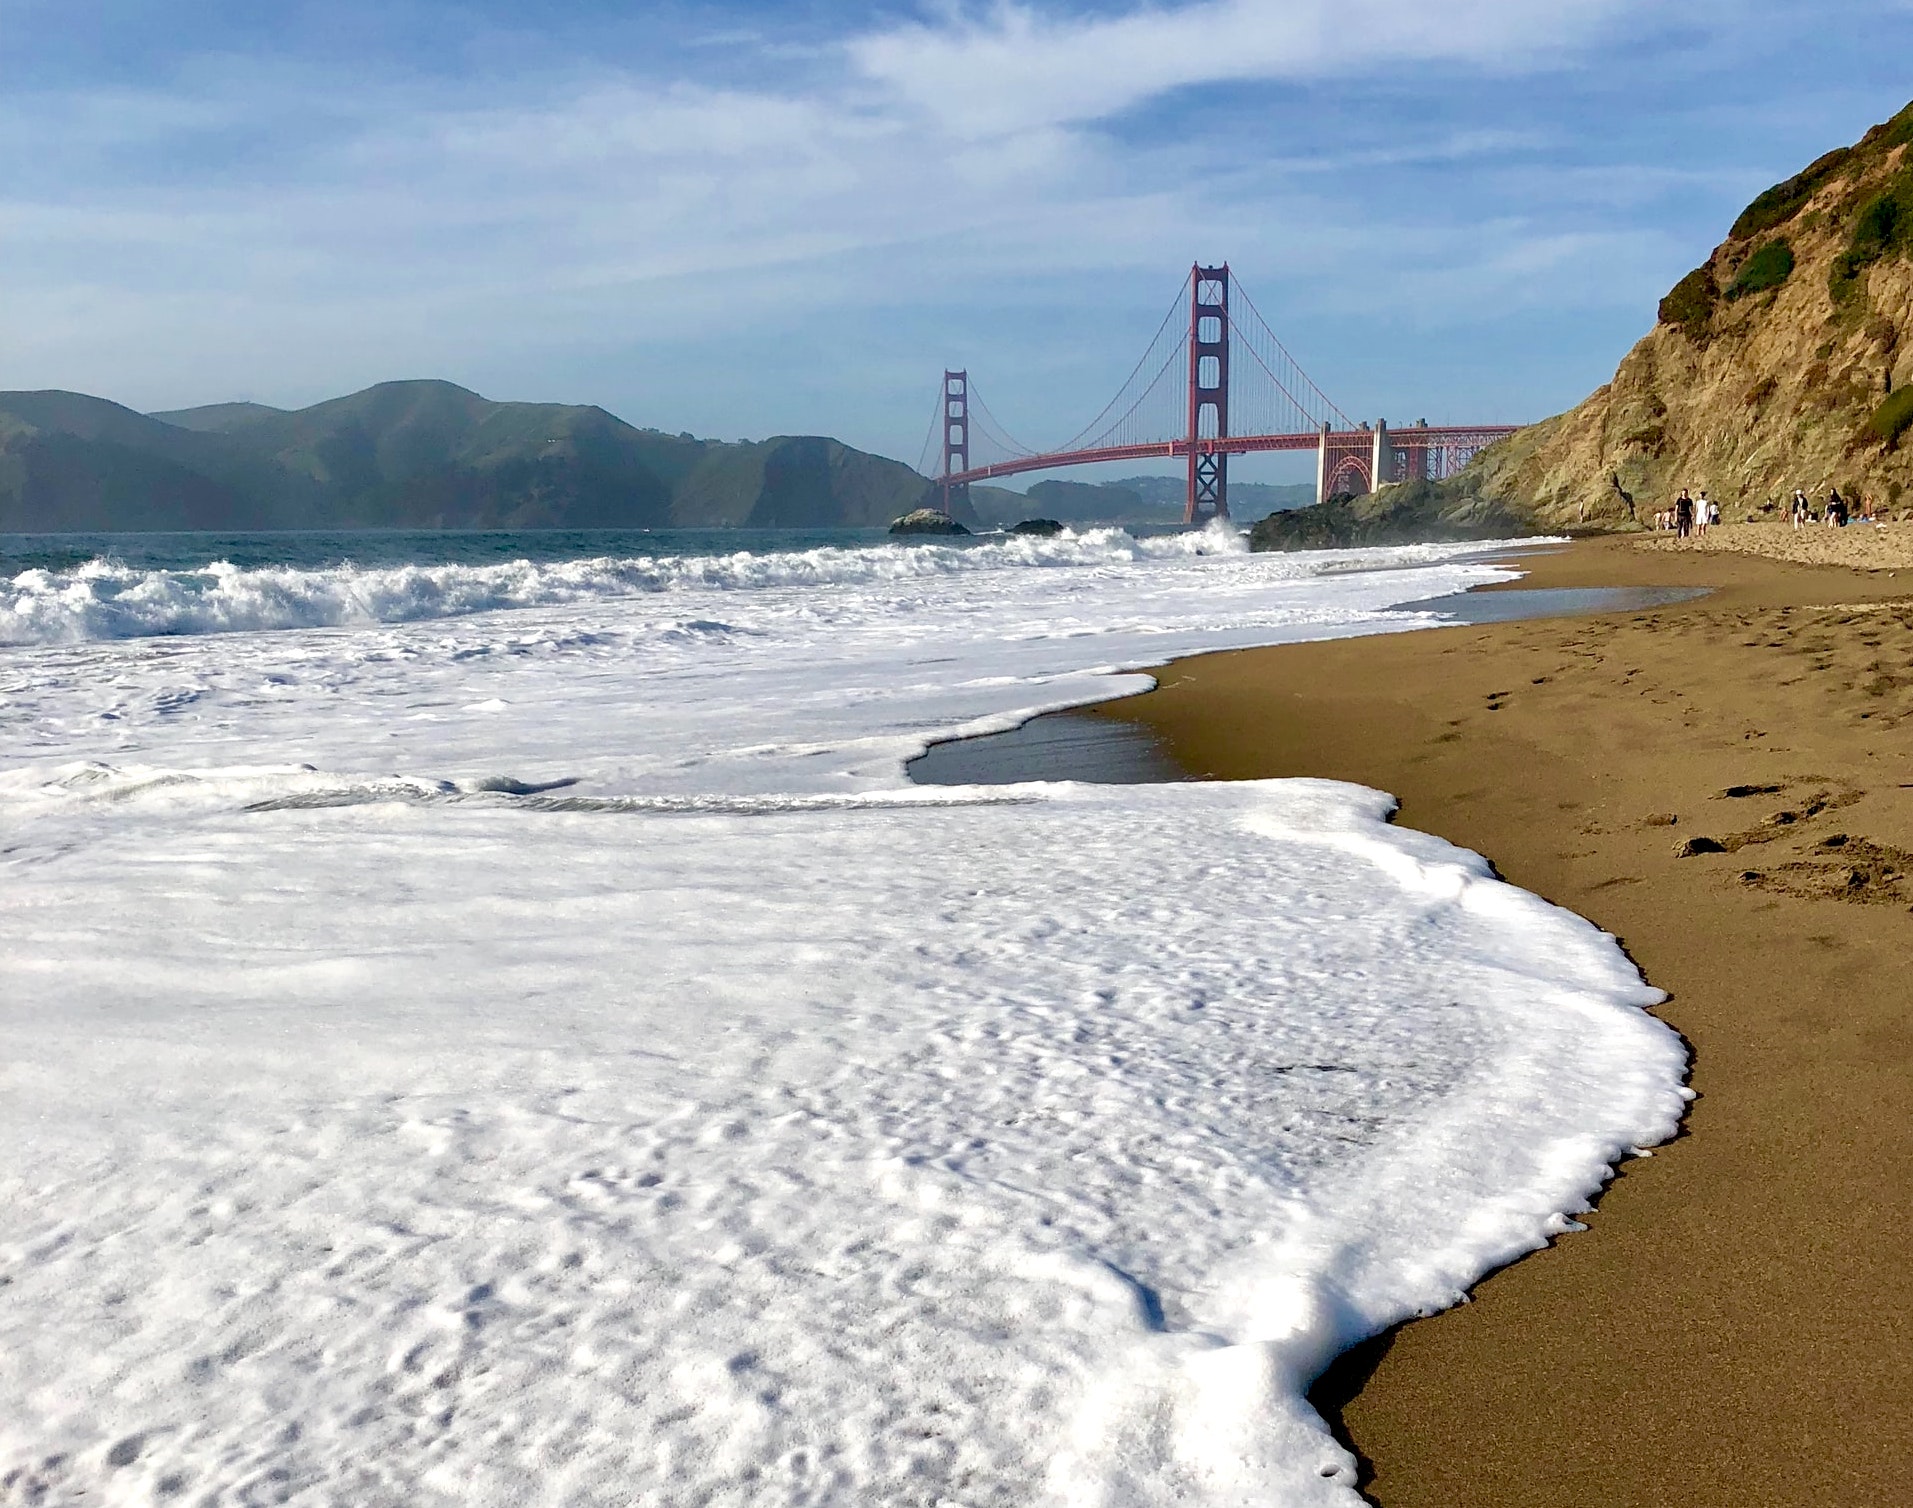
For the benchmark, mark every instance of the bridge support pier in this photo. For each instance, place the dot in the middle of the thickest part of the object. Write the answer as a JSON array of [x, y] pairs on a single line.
[[1208, 495], [1208, 487], [956, 436], [1382, 459], [1321, 465]]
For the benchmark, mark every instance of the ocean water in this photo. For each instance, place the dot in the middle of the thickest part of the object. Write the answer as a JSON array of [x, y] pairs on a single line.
[[324, 549], [502, 1028]]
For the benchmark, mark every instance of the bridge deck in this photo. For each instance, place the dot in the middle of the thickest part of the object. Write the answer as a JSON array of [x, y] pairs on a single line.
[[1414, 437]]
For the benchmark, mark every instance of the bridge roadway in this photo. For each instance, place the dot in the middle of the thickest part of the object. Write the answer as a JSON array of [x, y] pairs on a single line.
[[1342, 454]]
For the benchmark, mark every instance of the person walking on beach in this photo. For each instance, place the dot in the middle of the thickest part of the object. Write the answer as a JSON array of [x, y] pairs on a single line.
[[1802, 509], [1703, 513], [1836, 508], [1683, 515]]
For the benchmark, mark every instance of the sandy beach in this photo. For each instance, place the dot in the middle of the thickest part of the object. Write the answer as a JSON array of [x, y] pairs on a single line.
[[1726, 786], [1864, 547]]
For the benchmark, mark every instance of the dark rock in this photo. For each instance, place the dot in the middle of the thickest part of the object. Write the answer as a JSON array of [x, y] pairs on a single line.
[[1045, 528], [1406, 513], [1688, 847], [927, 521]]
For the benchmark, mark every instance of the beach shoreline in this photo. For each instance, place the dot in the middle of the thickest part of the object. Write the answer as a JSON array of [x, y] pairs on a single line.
[[1722, 784]]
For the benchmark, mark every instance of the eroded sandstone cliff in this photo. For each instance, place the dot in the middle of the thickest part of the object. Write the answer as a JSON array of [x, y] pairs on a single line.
[[1785, 360]]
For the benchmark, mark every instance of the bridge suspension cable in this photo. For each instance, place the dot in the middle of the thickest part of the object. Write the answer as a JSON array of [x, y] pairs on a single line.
[[930, 458], [1137, 420], [998, 439], [1292, 401]]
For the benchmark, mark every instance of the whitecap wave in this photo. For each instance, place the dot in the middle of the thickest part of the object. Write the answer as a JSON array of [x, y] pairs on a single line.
[[107, 599]]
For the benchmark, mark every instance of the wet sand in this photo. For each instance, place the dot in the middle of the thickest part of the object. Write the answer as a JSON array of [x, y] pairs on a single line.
[[1733, 1329], [1056, 746]]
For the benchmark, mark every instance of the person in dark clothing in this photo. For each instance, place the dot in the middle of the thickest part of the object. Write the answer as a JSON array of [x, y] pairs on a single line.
[[1836, 508], [1683, 515]]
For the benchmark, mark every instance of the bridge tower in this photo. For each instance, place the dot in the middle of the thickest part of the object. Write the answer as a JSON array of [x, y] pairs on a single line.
[[1208, 393], [956, 435]]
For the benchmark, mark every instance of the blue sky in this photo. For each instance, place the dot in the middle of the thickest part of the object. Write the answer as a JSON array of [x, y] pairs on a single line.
[[742, 219]]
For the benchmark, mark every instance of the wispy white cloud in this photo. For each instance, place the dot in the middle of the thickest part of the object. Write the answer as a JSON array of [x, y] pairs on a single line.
[[263, 216], [1015, 66]]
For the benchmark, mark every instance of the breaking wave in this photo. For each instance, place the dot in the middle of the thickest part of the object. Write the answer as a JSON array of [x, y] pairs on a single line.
[[107, 599]]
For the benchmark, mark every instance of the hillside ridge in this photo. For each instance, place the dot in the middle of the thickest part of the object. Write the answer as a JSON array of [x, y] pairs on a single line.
[[422, 453]]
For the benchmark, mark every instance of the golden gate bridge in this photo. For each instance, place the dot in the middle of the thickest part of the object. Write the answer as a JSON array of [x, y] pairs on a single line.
[[1212, 384]]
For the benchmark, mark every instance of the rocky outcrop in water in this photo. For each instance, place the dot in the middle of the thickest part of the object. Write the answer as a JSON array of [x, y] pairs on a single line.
[[1409, 513], [926, 521]]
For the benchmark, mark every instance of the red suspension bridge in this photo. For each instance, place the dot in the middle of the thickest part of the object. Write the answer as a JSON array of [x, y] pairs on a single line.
[[1212, 385]]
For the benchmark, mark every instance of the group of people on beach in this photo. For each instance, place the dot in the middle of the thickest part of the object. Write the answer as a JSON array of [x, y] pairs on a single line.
[[1689, 516], [1838, 511]]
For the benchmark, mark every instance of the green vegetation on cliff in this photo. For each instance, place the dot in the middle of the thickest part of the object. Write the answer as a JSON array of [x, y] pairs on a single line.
[[1689, 304], [1893, 417], [1779, 204], [1766, 269], [1882, 227]]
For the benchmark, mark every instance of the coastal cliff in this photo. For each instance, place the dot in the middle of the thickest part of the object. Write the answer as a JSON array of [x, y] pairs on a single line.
[[1784, 360]]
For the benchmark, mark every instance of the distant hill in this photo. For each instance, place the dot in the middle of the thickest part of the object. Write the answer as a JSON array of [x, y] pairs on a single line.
[[214, 418], [420, 454], [1247, 500], [796, 482], [68, 461], [1132, 500]]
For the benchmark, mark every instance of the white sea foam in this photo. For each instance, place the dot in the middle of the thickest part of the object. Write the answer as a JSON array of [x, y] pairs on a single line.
[[105, 599], [734, 1123]]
